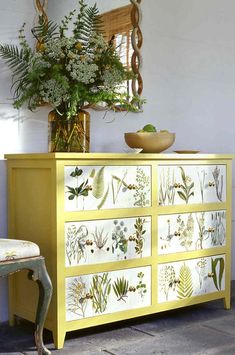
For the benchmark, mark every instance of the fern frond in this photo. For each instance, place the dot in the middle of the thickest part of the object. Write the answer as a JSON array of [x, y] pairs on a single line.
[[45, 31], [88, 22], [185, 286], [17, 62]]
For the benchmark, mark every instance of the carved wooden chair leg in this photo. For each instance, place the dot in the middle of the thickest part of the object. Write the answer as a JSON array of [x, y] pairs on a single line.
[[40, 275]]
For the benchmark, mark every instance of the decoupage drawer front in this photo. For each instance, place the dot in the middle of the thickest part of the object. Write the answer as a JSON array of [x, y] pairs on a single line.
[[107, 292], [184, 279], [106, 187], [188, 184], [107, 240], [191, 231]]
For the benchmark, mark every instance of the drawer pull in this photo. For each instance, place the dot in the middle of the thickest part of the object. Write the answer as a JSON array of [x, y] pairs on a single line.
[[177, 234], [88, 188], [177, 281], [131, 187], [211, 229], [177, 186], [211, 274], [211, 183]]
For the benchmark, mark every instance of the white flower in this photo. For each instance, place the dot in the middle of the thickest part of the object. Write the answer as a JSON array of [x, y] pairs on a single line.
[[82, 71], [53, 92], [112, 77]]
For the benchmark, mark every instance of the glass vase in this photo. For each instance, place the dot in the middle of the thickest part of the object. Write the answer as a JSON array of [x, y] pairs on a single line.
[[69, 135]]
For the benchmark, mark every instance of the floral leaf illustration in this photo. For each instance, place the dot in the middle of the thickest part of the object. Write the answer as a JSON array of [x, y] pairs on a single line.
[[221, 271], [76, 172], [98, 184], [120, 288], [182, 195], [103, 199], [92, 173], [217, 278]]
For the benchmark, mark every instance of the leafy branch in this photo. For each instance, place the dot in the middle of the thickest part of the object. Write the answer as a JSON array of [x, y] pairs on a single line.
[[186, 187]]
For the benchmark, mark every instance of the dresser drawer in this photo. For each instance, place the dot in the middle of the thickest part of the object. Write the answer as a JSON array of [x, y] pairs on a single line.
[[191, 231], [188, 184], [195, 277], [106, 187], [107, 292], [107, 240]]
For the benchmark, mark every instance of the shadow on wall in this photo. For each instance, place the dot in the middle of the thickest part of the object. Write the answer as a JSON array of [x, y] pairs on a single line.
[[3, 233]]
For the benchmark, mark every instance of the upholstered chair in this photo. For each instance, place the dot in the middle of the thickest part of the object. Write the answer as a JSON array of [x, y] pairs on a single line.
[[16, 255]]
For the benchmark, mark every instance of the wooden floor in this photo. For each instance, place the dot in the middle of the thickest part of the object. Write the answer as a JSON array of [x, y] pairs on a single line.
[[202, 330]]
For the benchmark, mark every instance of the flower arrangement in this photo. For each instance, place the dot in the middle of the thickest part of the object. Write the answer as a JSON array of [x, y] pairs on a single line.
[[68, 72]]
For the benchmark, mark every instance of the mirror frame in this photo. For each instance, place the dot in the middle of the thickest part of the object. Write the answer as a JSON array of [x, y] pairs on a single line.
[[136, 41]]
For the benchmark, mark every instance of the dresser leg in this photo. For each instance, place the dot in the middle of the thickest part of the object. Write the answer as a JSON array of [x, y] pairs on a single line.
[[12, 321], [227, 303], [59, 338]]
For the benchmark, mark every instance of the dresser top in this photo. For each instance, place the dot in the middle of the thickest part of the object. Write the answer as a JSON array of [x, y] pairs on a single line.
[[117, 156]]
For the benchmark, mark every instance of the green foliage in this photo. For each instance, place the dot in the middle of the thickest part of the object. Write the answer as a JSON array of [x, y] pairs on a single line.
[[44, 31], [167, 279], [138, 236], [77, 297], [185, 285], [100, 290], [98, 184], [186, 187], [120, 288], [81, 189], [100, 239], [68, 72], [119, 238], [217, 277], [102, 202], [185, 231], [76, 243], [141, 287], [142, 188]]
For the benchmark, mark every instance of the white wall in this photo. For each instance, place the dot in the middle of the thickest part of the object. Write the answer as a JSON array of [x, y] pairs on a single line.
[[189, 84]]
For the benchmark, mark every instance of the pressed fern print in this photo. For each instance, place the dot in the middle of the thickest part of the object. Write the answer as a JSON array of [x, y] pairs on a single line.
[[184, 285]]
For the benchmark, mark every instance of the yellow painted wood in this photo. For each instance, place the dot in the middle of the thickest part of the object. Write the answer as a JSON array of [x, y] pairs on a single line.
[[120, 156], [36, 213], [228, 264]]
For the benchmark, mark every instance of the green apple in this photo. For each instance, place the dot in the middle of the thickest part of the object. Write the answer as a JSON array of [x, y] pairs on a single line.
[[149, 128]]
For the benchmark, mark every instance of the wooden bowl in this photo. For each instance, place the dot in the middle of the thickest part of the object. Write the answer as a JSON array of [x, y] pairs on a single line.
[[150, 142]]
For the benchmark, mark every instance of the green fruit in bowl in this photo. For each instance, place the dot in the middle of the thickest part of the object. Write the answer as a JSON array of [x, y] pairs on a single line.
[[140, 131], [149, 128]]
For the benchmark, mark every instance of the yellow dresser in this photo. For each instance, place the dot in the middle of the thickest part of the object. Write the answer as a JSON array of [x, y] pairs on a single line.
[[124, 235]]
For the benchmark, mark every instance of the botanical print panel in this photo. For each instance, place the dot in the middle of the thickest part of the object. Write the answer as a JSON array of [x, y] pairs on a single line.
[[107, 292], [188, 184], [191, 231], [107, 187], [185, 279], [100, 241]]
